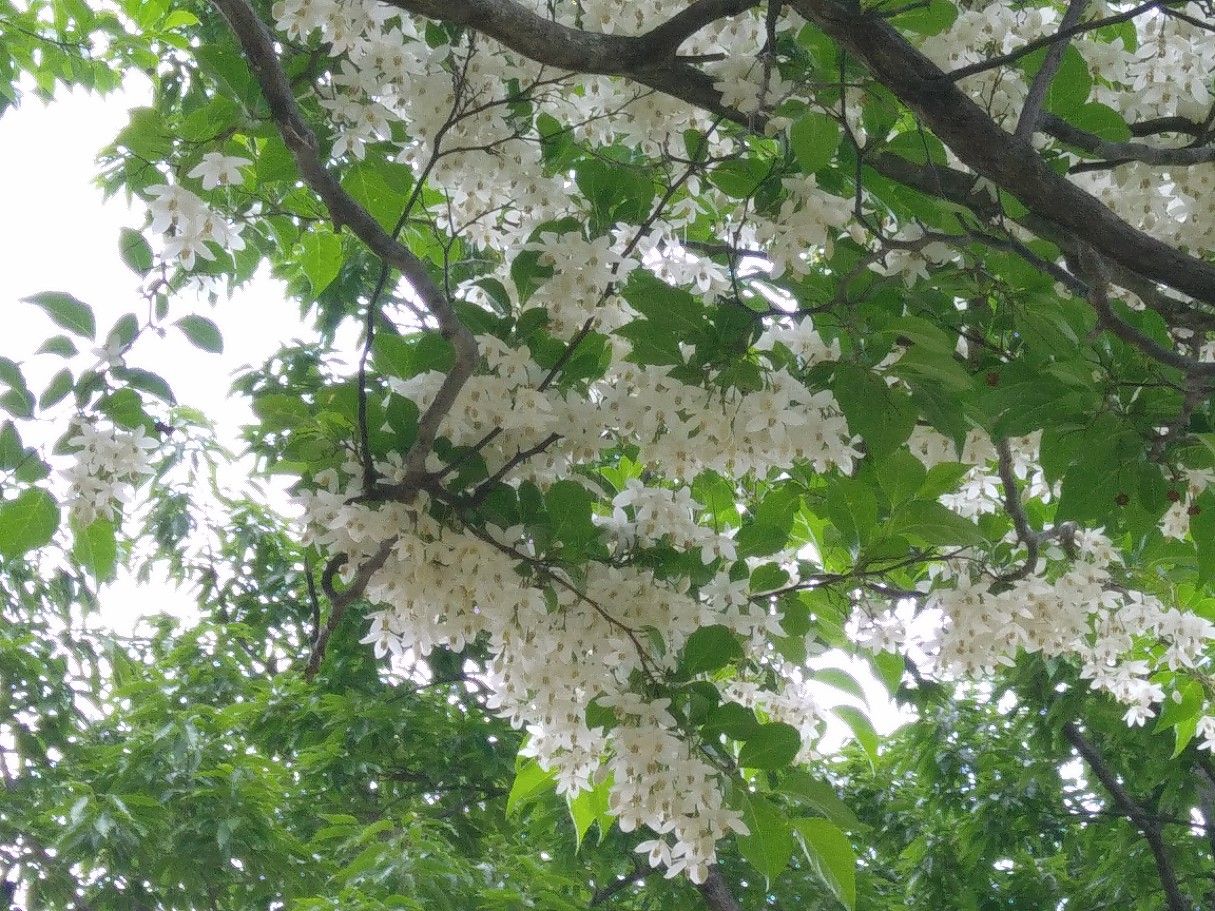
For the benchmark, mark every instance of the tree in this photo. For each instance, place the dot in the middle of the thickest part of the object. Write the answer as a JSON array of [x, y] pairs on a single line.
[[696, 339]]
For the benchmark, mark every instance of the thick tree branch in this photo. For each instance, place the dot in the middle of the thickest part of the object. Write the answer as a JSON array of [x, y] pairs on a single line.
[[717, 894], [258, 47], [1124, 151], [649, 58], [1130, 808], [1095, 275], [979, 142], [993, 153]]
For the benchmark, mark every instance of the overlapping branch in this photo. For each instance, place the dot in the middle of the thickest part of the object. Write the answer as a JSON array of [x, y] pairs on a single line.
[[1122, 152], [1133, 811], [258, 48]]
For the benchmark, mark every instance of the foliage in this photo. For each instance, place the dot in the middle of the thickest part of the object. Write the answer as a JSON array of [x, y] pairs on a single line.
[[697, 341]]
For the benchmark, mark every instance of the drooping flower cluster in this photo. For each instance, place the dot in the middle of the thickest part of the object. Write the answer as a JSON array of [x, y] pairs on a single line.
[[561, 642], [189, 225], [446, 586], [110, 462]]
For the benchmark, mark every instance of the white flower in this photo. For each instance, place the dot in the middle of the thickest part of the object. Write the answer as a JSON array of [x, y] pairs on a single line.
[[218, 170]]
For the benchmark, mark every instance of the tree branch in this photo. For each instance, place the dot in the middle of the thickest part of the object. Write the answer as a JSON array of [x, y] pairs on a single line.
[[1031, 112], [340, 601], [993, 153], [258, 47], [1064, 34], [1098, 283], [1130, 808], [1122, 152], [717, 894]]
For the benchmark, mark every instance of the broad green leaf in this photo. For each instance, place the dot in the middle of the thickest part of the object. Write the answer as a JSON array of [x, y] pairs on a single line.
[[929, 522], [67, 311], [769, 527], [12, 450], [530, 782], [321, 258], [588, 808], [841, 680], [569, 508], [56, 390], [123, 332], [862, 729], [735, 721], [821, 796], [773, 745], [852, 508], [883, 415], [135, 251], [406, 356], [768, 846], [27, 522], [58, 344], [814, 137], [831, 855], [709, 648], [96, 548], [202, 333]]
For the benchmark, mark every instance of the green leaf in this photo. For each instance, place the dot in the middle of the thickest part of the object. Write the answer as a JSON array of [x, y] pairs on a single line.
[[202, 333], [135, 251], [1202, 531], [718, 496], [862, 729], [841, 680], [852, 508], [709, 648], [321, 258], [883, 415], [568, 504], [821, 796], [616, 191], [588, 808], [125, 328], [768, 847], [12, 450], [929, 522], [814, 137], [67, 311], [735, 721], [27, 522], [831, 855], [930, 18], [56, 390], [58, 344], [1101, 120], [900, 476], [771, 524], [530, 782], [773, 745], [407, 356], [96, 548]]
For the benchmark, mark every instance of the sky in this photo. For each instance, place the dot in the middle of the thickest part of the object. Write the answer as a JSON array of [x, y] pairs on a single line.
[[59, 234], [65, 238]]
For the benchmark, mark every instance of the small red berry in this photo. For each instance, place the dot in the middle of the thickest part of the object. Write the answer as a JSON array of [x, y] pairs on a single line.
[[1122, 499], [992, 379], [1193, 510], [1173, 496]]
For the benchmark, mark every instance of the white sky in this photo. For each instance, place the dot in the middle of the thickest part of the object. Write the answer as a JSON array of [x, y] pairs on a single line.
[[59, 235]]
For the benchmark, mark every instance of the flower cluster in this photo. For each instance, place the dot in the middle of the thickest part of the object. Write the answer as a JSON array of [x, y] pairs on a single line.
[[109, 463], [189, 225]]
